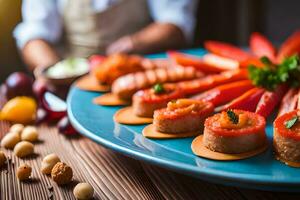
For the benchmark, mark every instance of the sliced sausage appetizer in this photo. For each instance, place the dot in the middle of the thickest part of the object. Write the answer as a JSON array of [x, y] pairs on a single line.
[[145, 102], [287, 137], [234, 131], [118, 65], [125, 86], [182, 115]]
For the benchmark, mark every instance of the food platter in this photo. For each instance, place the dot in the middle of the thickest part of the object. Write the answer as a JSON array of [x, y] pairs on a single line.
[[96, 122]]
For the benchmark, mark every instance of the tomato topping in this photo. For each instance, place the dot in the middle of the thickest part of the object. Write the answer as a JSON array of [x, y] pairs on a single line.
[[280, 125], [250, 123], [185, 107], [149, 95]]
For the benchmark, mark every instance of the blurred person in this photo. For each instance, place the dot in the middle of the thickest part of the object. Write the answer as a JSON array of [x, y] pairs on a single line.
[[53, 29]]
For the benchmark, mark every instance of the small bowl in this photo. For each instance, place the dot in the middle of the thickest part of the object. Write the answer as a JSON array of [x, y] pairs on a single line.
[[41, 73]]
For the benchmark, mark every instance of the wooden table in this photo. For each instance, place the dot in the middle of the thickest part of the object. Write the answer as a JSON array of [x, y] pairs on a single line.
[[113, 176]]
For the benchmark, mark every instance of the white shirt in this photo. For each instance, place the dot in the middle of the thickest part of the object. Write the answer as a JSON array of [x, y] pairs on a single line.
[[42, 18]]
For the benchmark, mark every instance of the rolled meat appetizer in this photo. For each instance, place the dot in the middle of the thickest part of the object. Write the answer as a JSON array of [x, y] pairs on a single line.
[[182, 115], [287, 138], [145, 102], [234, 131], [125, 86]]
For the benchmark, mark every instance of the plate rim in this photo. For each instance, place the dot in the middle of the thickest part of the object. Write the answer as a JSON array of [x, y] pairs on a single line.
[[175, 165]]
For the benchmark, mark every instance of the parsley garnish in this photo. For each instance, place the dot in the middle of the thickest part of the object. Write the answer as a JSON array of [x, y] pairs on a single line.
[[158, 88], [234, 118], [290, 123], [271, 75]]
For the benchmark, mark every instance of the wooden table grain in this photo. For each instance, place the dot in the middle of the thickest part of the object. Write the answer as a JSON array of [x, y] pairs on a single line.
[[113, 176]]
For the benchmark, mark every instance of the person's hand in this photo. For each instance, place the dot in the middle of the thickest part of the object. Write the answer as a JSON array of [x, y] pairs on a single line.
[[123, 45]]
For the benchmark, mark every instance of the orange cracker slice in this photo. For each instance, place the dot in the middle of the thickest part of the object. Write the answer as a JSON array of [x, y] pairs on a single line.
[[150, 132], [127, 116], [90, 83], [109, 99], [200, 150]]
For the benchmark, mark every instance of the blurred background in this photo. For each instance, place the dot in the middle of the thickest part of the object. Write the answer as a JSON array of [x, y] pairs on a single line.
[[231, 21]]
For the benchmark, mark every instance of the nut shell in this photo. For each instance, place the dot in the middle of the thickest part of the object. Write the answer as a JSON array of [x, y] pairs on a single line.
[[83, 191], [10, 140], [24, 172], [61, 173], [48, 163], [23, 149]]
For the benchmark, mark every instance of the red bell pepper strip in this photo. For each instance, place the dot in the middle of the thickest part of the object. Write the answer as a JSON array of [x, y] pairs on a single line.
[[261, 46], [225, 93], [289, 102], [95, 61], [290, 47], [270, 100], [196, 62], [248, 101], [227, 50], [211, 81]]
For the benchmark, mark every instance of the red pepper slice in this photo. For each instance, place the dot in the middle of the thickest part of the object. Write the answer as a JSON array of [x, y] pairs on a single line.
[[225, 93], [289, 101], [261, 46], [248, 101], [211, 81], [227, 50], [270, 100], [290, 47], [196, 62]]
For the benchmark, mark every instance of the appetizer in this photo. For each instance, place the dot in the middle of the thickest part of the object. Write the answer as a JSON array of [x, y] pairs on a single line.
[[234, 132], [287, 138], [118, 65], [145, 102], [125, 86], [182, 115]]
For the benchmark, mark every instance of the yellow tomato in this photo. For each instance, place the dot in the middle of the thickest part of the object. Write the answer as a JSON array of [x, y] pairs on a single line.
[[19, 110]]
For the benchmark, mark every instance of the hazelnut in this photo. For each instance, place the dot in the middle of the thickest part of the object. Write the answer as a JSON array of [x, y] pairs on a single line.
[[83, 191], [10, 140], [16, 128], [24, 172], [29, 134], [48, 163], [23, 149], [2, 158], [61, 173]]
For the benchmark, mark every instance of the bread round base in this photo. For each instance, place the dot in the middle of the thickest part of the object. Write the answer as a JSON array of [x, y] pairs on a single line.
[[127, 116], [200, 150], [150, 132], [289, 163], [109, 99], [90, 83]]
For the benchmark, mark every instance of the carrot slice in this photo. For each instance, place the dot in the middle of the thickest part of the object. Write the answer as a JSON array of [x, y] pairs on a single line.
[[196, 62]]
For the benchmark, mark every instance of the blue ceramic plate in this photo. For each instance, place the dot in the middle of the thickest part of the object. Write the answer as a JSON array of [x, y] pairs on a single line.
[[259, 172]]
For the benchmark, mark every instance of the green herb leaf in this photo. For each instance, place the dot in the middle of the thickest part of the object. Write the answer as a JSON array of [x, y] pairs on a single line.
[[158, 88], [266, 60], [271, 75], [290, 123], [234, 118]]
